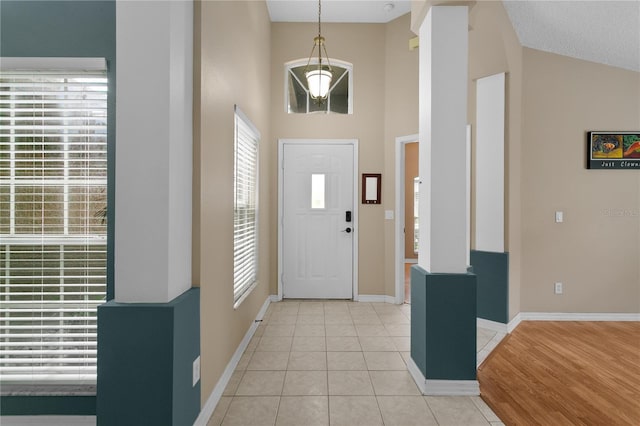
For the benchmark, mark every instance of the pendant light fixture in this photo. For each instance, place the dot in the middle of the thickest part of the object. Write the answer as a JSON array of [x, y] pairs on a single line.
[[318, 76]]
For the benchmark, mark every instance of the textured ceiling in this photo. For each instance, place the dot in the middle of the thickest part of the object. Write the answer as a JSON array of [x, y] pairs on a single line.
[[337, 10], [606, 32]]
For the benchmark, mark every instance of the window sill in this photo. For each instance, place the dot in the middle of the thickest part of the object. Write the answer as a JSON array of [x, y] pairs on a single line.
[[47, 390]]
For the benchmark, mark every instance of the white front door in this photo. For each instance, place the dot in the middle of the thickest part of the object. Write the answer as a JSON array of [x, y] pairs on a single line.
[[317, 236]]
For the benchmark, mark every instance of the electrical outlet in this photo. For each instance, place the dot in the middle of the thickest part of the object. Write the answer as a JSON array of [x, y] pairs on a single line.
[[196, 371], [558, 288]]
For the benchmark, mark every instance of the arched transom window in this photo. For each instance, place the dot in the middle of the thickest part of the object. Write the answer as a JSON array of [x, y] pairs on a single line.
[[298, 99]]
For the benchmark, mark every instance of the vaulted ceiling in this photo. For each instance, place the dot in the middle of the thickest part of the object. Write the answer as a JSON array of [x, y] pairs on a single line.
[[606, 32]]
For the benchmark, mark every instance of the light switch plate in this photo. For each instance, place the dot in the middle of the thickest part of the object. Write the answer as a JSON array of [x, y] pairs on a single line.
[[388, 214], [559, 217], [557, 288]]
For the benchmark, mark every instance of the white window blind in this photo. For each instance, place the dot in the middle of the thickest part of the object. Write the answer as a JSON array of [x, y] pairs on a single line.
[[53, 178], [245, 227]]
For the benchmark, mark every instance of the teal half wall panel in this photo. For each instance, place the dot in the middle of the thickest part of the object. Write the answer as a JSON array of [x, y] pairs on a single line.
[[145, 359], [443, 324], [492, 270]]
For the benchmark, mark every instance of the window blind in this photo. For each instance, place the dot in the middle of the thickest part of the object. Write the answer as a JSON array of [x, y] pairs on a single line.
[[245, 227], [53, 179]]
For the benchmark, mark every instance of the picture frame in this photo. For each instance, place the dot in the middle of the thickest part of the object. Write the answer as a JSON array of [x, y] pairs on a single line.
[[613, 150], [371, 188]]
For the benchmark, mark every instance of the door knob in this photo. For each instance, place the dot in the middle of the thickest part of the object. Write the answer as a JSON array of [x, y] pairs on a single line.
[[348, 230]]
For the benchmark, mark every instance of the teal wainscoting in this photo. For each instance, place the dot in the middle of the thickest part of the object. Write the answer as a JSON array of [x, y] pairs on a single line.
[[145, 359], [443, 324], [492, 270]]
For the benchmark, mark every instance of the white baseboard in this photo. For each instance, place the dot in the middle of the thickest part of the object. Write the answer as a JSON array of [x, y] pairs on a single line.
[[452, 388], [216, 394], [375, 298], [491, 325], [515, 322], [569, 316], [275, 298], [48, 420], [442, 387]]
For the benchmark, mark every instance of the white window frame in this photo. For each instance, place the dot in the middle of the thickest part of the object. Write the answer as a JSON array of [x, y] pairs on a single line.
[[77, 363], [314, 61], [245, 264]]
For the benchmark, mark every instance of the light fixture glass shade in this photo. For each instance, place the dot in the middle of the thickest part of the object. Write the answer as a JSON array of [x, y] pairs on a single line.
[[318, 82]]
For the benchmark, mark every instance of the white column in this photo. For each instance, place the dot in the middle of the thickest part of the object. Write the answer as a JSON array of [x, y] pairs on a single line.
[[489, 167], [443, 119], [153, 150]]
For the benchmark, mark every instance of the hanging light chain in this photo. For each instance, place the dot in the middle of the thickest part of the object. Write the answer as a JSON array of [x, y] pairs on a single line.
[[319, 14], [319, 76]]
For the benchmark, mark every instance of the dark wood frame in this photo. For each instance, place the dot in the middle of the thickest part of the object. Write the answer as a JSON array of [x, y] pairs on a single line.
[[378, 177], [617, 162]]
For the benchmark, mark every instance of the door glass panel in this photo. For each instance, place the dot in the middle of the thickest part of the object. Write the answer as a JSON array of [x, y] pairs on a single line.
[[317, 191]]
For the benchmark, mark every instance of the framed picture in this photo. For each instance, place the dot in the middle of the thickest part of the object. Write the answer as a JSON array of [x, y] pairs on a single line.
[[371, 188], [613, 150]]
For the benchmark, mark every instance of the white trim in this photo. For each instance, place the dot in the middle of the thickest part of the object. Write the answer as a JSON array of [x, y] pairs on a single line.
[[492, 325], [468, 194], [356, 230], [489, 166], [453, 388], [375, 298], [442, 387], [569, 316], [401, 142], [49, 420], [275, 298], [247, 121], [53, 64], [514, 323], [412, 261], [210, 405]]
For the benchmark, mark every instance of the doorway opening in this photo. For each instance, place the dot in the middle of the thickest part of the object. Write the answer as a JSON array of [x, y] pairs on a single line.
[[407, 179]]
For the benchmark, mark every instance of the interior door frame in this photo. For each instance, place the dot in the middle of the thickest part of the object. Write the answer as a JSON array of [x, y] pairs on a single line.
[[354, 144], [401, 142]]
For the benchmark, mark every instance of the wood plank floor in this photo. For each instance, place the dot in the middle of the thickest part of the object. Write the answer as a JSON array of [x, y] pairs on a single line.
[[565, 373]]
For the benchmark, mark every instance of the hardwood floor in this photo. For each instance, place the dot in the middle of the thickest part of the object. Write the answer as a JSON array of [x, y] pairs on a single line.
[[565, 373]]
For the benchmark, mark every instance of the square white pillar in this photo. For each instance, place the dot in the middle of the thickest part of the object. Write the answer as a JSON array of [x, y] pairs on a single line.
[[154, 141], [442, 124]]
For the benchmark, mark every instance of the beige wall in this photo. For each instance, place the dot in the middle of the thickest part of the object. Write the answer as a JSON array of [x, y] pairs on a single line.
[[594, 253], [232, 67], [494, 48], [363, 46], [400, 119]]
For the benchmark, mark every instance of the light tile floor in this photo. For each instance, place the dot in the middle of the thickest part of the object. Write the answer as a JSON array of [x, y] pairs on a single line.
[[338, 363]]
